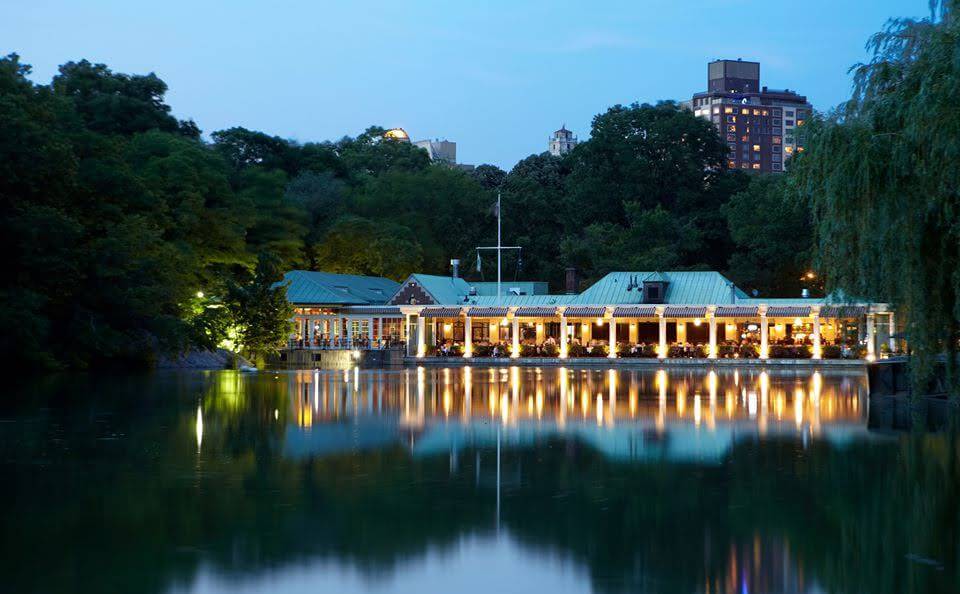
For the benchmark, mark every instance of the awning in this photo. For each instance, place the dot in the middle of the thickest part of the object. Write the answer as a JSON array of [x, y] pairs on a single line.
[[487, 312], [440, 312], [680, 311], [843, 311], [635, 311], [536, 312], [736, 311], [584, 312], [788, 311]]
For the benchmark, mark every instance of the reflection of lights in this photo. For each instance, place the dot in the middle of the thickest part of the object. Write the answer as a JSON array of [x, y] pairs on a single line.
[[276, 414], [696, 410], [599, 410], [199, 427]]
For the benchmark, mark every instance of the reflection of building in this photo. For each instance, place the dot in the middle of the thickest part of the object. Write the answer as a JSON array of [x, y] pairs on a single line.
[[562, 142], [442, 151], [759, 125]]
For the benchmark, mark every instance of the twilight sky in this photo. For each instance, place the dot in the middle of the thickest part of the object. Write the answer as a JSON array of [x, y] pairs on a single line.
[[495, 76]]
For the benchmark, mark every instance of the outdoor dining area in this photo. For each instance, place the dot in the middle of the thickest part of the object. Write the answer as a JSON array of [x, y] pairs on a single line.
[[655, 332]]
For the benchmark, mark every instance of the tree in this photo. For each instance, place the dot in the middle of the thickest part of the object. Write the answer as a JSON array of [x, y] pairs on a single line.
[[770, 224], [881, 175], [490, 177], [260, 310]]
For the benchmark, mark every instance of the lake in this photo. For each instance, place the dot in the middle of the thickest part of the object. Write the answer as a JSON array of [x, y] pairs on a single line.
[[471, 480]]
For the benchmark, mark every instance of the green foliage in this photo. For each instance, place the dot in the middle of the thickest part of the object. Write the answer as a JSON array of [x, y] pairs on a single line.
[[770, 224], [882, 177], [260, 309]]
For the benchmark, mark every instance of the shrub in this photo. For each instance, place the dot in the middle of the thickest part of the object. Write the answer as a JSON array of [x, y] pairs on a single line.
[[528, 350], [748, 351], [482, 350], [600, 350], [550, 350], [831, 351], [576, 350]]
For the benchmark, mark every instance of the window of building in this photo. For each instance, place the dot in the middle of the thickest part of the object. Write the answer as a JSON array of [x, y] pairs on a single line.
[[731, 118], [732, 164], [756, 156], [776, 157], [716, 110], [788, 123], [745, 111], [731, 128], [788, 112], [756, 112], [756, 165], [776, 166], [765, 112], [745, 166], [776, 112], [756, 147], [788, 150], [731, 137], [775, 140], [727, 110], [776, 148], [777, 121]]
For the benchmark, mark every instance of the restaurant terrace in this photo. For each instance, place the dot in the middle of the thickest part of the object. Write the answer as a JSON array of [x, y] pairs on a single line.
[[625, 315]]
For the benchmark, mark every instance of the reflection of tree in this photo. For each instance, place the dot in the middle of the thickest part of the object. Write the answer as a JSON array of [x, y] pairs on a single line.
[[111, 495]]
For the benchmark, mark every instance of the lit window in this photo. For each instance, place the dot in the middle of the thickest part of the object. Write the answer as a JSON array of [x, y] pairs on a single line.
[[756, 112], [788, 150], [800, 122], [756, 147], [716, 110], [731, 118], [765, 112], [776, 140], [732, 164], [745, 166], [776, 166], [727, 110], [788, 123], [731, 137], [732, 128], [756, 165], [776, 149], [745, 111]]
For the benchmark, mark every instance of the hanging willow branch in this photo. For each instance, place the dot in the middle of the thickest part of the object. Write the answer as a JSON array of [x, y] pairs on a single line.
[[883, 173]]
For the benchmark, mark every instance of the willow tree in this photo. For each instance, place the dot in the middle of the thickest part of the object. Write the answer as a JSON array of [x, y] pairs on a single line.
[[883, 177]]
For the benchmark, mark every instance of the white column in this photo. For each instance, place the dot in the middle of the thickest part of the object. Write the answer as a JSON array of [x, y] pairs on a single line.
[[310, 332], [516, 337], [892, 327], [563, 340], [662, 351], [871, 337], [349, 333], [817, 349], [467, 337], [370, 330], [712, 354], [421, 338], [764, 336], [634, 332], [613, 338]]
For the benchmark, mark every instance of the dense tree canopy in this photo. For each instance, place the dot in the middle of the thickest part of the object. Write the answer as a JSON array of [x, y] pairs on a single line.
[[883, 179], [119, 217]]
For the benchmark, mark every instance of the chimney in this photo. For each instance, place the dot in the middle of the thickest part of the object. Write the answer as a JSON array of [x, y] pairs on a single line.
[[573, 282], [455, 265]]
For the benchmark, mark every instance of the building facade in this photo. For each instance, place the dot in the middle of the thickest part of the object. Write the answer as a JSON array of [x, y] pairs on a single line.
[[761, 126], [655, 315], [443, 151], [562, 142]]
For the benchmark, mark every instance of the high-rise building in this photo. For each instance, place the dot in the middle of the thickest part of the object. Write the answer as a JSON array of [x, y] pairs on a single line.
[[440, 150], [561, 142], [759, 124]]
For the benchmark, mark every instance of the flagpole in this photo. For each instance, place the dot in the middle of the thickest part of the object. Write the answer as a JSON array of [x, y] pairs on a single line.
[[498, 247]]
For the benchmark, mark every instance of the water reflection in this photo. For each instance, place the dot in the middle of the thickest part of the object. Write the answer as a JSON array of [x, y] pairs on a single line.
[[471, 480], [673, 415]]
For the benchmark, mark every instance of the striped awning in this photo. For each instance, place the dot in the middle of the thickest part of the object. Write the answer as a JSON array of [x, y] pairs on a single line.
[[487, 312], [634, 311], [440, 312], [788, 311], [736, 311], [683, 311], [843, 311], [536, 312], [584, 312]]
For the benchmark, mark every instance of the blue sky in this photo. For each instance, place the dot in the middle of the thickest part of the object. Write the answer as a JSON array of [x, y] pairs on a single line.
[[496, 77]]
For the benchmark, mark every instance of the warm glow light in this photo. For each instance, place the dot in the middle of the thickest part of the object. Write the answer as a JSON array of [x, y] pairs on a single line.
[[599, 321], [503, 322], [199, 427], [697, 322]]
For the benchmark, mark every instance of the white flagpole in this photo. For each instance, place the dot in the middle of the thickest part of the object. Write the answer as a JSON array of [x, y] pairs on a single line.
[[499, 214]]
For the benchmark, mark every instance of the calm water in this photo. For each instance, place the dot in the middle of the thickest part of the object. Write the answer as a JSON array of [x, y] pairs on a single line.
[[482, 480]]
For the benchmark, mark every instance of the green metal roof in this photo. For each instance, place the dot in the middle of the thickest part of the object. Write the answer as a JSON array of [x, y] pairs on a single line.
[[688, 287], [522, 300], [306, 287], [445, 290], [488, 288]]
